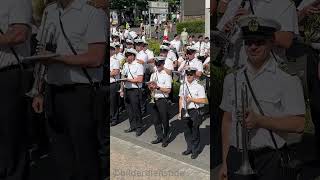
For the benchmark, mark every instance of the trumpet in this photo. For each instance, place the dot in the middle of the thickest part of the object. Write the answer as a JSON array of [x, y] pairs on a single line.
[[245, 171], [151, 84], [185, 106], [121, 90]]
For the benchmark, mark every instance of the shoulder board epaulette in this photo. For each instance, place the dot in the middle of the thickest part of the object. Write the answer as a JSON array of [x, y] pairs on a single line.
[[99, 4]]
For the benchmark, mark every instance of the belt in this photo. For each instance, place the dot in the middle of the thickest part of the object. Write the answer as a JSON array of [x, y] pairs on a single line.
[[131, 89], [195, 108], [75, 85], [8, 68], [158, 99]]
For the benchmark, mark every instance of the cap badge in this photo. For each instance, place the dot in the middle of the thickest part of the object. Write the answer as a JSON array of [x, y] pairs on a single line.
[[253, 25]]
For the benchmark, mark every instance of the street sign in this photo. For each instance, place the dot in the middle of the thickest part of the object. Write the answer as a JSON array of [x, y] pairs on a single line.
[[156, 4], [158, 11]]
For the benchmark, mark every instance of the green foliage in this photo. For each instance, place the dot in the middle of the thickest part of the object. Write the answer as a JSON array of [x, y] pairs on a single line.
[[154, 46], [194, 26], [119, 4], [311, 28], [38, 8], [175, 89]]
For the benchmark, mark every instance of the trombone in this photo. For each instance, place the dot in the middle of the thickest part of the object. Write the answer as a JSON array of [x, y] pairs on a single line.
[[245, 171]]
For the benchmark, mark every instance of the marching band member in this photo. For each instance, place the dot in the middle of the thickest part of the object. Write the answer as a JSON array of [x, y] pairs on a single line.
[[192, 99], [150, 63], [133, 72], [272, 113], [119, 56], [71, 78], [192, 61], [160, 87], [114, 94], [142, 58], [15, 25], [171, 54], [168, 65], [176, 42]]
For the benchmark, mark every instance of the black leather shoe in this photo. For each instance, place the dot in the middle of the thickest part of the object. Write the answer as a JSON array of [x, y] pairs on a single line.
[[157, 141], [129, 130], [194, 155], [113, 123], [187, 152], [165, 144], [138, 133]]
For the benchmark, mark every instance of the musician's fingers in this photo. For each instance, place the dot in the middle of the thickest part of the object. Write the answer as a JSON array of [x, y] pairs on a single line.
[[313, 10]]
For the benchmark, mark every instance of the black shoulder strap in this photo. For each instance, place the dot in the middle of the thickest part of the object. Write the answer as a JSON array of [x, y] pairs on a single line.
[[259, 107], [14, 53], [73, 50]]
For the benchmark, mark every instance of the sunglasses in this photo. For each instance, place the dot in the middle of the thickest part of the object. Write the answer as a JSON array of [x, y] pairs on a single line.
[[189, 73], [159, 63], [259, 42]]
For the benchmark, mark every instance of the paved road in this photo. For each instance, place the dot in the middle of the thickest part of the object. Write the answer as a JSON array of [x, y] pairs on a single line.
[[177, 144], [132, 162]]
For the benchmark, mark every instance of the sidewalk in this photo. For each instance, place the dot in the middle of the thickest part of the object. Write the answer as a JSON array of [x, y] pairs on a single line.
[[129, 161]]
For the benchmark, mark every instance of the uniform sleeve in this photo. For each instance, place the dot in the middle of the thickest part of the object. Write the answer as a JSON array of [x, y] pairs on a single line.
[[168, 65], [151, 55], [202, 92], [226, 102], [140, 70], [116, 65], [97, 27], [294, 103], [20, 12], [289, 20], [168, 83], [200, 67], [229, 13]]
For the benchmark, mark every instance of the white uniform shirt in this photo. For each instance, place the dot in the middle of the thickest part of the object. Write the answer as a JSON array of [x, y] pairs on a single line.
[[278, 94], [163, 80], [176, 44], [11, 12], [114, 65], [195, 90], [132, 71], [284, 12], [91, 29], [168, 64]]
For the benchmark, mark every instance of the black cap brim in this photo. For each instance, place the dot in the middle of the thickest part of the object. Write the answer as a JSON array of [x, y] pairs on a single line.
[[261, 33]]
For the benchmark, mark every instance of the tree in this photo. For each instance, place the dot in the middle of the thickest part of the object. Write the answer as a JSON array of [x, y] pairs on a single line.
[[121, 4]]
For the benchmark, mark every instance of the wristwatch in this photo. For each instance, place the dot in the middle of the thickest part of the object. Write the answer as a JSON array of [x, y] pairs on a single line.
[[158, 88]]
